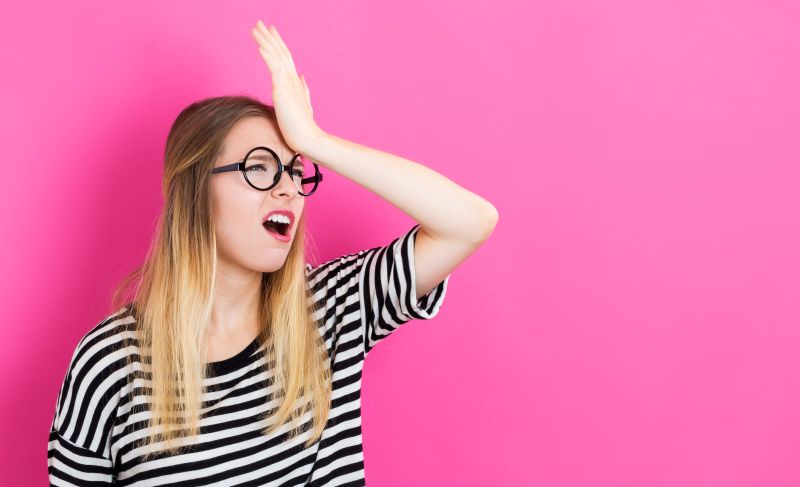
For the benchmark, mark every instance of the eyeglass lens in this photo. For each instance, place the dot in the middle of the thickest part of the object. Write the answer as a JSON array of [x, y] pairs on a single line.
[[261, 170]]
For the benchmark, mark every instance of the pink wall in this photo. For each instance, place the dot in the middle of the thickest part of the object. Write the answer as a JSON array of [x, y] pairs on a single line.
[[633, 321]]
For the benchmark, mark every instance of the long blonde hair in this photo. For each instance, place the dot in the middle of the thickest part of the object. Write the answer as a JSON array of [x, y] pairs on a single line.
[[174, 292]]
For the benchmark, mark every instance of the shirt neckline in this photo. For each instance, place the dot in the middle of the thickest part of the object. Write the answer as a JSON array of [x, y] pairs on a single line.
[[221, 367], [239, 360]]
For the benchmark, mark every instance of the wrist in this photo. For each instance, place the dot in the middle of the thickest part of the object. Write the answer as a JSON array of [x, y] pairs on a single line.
[[314, 143]]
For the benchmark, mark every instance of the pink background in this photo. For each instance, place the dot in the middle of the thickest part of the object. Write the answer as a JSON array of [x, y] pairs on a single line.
[[633, 320]]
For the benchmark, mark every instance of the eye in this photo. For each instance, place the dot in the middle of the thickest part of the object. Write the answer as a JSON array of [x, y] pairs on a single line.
[[255, 168]]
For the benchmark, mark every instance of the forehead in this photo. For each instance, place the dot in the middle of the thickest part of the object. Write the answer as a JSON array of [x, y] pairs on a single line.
[[253, 132]]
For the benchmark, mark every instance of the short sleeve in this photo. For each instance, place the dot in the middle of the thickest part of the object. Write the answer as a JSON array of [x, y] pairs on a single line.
[[387, 289], [78, 450], [69, 464]]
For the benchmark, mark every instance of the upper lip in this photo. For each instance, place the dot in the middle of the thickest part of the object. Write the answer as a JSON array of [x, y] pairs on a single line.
[[286, 213]]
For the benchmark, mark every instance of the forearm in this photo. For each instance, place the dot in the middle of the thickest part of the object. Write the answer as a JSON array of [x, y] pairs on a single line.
[[442, 208]]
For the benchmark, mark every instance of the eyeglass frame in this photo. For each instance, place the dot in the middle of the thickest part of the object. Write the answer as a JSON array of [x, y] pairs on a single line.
[[242, 166]]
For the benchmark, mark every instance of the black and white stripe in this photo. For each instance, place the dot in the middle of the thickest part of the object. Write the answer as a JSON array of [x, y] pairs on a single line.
[[102, 405]]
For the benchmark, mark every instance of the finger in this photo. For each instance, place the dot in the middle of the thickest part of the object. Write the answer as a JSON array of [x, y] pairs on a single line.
[[266, 38], [283, 46], [270, 53], [271, 35], [259, 37], [271, 58], [267, 47]]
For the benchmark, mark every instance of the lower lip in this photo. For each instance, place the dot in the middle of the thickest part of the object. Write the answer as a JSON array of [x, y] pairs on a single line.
[[278, 236]]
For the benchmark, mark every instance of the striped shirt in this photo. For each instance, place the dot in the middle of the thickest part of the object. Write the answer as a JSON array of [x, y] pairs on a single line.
[[366, 296]]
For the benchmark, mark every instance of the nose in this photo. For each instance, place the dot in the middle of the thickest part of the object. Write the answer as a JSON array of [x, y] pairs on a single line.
[[286, 185]]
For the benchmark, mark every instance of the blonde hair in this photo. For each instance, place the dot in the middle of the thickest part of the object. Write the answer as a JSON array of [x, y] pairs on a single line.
[[175, 291]]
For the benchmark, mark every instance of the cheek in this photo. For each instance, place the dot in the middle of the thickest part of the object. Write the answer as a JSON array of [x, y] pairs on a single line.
[[233, 211]]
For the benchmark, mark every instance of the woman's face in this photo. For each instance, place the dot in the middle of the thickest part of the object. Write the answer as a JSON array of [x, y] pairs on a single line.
[[239, 209]]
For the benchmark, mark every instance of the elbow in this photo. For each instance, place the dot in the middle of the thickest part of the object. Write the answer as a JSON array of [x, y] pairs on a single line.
[[489, 220]]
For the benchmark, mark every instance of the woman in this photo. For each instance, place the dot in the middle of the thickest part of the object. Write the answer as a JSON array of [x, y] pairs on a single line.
[[236, 362]]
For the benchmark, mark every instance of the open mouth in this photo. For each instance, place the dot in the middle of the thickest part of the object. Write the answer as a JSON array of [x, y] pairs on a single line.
[[277, 227]]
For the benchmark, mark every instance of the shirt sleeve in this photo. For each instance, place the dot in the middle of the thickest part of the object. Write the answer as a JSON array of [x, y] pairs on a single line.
[[372, 292], [71, 465], [388, 288], [78, 452]]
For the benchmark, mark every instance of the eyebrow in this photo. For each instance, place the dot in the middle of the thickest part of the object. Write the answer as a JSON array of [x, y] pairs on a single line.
[[263, 156]]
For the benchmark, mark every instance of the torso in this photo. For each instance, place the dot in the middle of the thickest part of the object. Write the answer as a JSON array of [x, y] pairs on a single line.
[[111, 398]]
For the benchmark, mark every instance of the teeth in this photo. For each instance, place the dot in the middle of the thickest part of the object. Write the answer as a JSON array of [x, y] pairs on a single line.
[[279, 219]]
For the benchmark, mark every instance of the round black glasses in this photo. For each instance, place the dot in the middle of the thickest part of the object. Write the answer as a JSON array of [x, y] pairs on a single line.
[[262, 169]]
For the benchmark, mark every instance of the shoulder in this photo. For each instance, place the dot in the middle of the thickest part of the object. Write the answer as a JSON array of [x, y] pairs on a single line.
[[337, 267], [346, 268], [103, 338], [94, 378]]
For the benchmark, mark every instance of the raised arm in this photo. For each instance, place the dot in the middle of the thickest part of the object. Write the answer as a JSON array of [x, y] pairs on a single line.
[[453, 221]]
